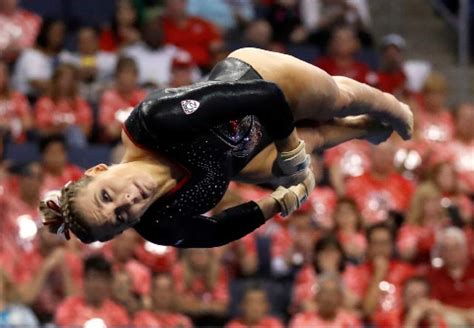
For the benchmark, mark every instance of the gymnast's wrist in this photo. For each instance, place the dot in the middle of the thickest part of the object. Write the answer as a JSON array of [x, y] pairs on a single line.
[[269, 207], [289, 143]]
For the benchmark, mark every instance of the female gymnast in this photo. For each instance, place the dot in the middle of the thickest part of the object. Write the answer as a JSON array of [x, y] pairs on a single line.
[[184, 145]]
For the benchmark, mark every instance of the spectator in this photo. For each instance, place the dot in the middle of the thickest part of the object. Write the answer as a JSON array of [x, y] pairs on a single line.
[[35, 66], [193, 34], [62, 110], [323, 198], [348, 225], [56, 169], [452, 282], [151, 51], [293, 247], [328, 258], [182, 70], [340, 58], [285, 19], [20, 211], [349, 159], [435, 122], [123, 294], [18, 29], [322, 16], [47, 273], [378, 283], [382, 189], [229, 16], [163, 310], [125, 29], [330, 313], [119, 99], [94, 305], [157, 258], [460, 151], [15, 112], [12, 313], [425, 218], [254, 311], [390, 77], [121, 257], [419, 309], [258, 34], [95, 66], [202, 287]]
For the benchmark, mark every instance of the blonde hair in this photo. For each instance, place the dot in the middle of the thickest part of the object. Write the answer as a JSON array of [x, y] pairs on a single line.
[[423, 192], [436, 82], [60, 213], [10, 293]]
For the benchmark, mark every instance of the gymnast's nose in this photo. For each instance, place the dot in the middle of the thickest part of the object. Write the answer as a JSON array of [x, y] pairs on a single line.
[[130, 199]]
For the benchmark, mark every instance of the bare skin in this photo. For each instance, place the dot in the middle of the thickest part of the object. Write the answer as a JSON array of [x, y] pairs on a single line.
[[311, 93]]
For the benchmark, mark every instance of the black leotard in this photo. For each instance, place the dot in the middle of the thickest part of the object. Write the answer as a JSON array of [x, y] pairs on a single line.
[[213, 129]]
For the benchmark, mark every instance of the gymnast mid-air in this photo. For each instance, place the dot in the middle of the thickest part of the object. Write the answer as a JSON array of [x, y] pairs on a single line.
[[254, 119]]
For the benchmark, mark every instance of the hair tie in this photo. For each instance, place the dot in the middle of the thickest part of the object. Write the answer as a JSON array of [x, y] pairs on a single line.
[[58, 221]]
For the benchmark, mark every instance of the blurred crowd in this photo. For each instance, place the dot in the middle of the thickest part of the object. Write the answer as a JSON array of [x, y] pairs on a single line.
[[385, 240]]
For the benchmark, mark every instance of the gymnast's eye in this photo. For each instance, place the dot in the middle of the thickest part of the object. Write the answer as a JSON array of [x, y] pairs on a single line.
[[106, 197]]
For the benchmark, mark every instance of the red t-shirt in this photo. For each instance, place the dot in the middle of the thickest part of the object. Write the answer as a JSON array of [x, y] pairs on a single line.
[[391, 82], [375, 197], [50, 114], [21, 27], [459, 292], [153, 319], [357, 70], [343, 319], [267, 322], [75, 311], [156, 257], [198, 288], [417, 237], [390, 302], [352, 157], [111, 101], [323, 201], [13, 110], [53, 182], [196, 37]]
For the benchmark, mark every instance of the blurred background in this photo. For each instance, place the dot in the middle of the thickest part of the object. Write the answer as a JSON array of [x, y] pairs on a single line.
[[385, 240]]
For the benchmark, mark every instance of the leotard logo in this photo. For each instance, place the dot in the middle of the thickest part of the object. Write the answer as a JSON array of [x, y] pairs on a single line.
[[189, 106]]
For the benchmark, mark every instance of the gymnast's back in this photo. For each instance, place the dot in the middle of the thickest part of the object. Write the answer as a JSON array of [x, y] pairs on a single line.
[[212, 129]]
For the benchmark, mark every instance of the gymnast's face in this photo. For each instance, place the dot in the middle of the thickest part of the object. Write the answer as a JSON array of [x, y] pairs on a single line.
[[116, 198]]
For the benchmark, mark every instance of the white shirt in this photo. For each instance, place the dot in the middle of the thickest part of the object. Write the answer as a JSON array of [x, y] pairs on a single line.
[[154, 65], [32, 65]]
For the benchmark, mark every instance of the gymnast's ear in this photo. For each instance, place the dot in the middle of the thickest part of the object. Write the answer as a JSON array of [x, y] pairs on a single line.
[[93, 171]]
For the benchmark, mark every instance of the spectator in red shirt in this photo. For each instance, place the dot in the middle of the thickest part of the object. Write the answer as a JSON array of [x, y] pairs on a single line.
[[419, 309], [193, 34], [125, 28], [378, 283], [292, 246], [453, 282], [434, 121], [460, 151], [330, 313], [94, 305], [163, 309], [56, 169], [254, 311], [340, 60], [18, 29], [348, 225], [182, 70], [425, 218], [390, 77], [328, 257], [202, 287], [120, 99], [382, 189], [123, 293], [63, 110], [15, 112]]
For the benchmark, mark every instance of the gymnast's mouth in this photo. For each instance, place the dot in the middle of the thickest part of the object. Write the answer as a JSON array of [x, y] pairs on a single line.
[[143, 192]]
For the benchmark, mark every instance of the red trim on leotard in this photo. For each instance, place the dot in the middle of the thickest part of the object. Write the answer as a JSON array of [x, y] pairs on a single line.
[[181, 182]]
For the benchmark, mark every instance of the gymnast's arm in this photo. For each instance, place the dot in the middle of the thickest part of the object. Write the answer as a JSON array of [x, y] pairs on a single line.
[[163, 114], [221, 229]]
